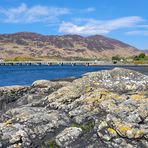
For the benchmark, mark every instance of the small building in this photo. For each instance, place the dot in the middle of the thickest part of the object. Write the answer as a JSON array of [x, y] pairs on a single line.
[[1, 60]]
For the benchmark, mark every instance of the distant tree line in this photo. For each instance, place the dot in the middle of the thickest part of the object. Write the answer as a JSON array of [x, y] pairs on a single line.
[[141, 56], [116, 58]]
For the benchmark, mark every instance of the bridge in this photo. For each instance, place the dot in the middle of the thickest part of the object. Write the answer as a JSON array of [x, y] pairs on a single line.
[[73, 63]]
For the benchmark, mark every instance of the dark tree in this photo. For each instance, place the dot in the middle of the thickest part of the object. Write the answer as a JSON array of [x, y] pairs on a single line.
[[141, 55]]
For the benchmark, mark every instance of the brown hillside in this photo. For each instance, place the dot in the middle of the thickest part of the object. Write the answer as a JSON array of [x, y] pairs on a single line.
[[61, 47]]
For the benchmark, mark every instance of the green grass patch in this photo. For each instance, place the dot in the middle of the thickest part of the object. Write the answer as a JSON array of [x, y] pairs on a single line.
[[52, 144]]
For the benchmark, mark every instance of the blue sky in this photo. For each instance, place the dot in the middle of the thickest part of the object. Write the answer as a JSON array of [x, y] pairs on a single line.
[[126, 20]]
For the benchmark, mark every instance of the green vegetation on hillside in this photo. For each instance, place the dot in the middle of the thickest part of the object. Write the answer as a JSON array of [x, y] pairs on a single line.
[[142, 58], [21, 58], [118, 58]]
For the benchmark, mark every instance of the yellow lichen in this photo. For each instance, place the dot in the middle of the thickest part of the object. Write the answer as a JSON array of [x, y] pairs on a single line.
[[87, 85], [128, 131], [137, 97], [95, 83], [116, 96], [88, 107], [135, 133], [121, 128], [88, 89], [139, 133], [111, 131], [104, 92], [8, 123], [142, 93], [93, 101], [17, 146]]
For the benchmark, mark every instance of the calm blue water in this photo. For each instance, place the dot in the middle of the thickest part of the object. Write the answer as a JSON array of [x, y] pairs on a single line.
[[25, 75]]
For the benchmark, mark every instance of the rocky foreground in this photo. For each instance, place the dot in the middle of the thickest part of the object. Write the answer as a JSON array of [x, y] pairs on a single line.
[[105, 109]]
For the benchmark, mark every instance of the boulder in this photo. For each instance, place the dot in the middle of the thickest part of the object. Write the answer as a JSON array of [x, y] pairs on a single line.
[[67, 136]]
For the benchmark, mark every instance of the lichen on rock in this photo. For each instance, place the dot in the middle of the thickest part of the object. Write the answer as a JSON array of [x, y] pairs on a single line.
[[101, 109]]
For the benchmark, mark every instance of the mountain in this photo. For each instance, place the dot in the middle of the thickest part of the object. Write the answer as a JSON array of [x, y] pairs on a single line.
[[62, 47], [145, 51]]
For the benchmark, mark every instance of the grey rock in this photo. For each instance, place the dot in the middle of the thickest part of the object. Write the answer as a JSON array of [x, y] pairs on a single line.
[[68, 136], [105, 109]]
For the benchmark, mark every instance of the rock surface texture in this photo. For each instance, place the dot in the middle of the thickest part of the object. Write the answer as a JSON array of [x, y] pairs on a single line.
[[105, 109]]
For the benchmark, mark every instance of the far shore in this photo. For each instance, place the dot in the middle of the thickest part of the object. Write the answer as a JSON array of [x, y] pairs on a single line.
[[73, 63]]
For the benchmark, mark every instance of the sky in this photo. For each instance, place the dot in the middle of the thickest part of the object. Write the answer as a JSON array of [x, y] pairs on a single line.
[[125, 20]]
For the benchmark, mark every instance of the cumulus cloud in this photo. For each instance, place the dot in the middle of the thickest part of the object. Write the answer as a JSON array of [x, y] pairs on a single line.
[[99, 27], [137, 32], [37, 13]]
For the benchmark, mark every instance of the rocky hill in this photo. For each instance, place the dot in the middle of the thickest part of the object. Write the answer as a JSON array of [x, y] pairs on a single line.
[[61, 47], [145, 51], [105, 109]]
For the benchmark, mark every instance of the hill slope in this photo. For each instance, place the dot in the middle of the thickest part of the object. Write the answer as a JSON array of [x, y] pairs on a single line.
[[66, 46], [145, 51]]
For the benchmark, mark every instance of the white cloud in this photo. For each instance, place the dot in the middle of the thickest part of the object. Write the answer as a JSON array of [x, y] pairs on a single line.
[[98, 26], [37, 13], [71, 28], [137, 32], [87, 21]]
